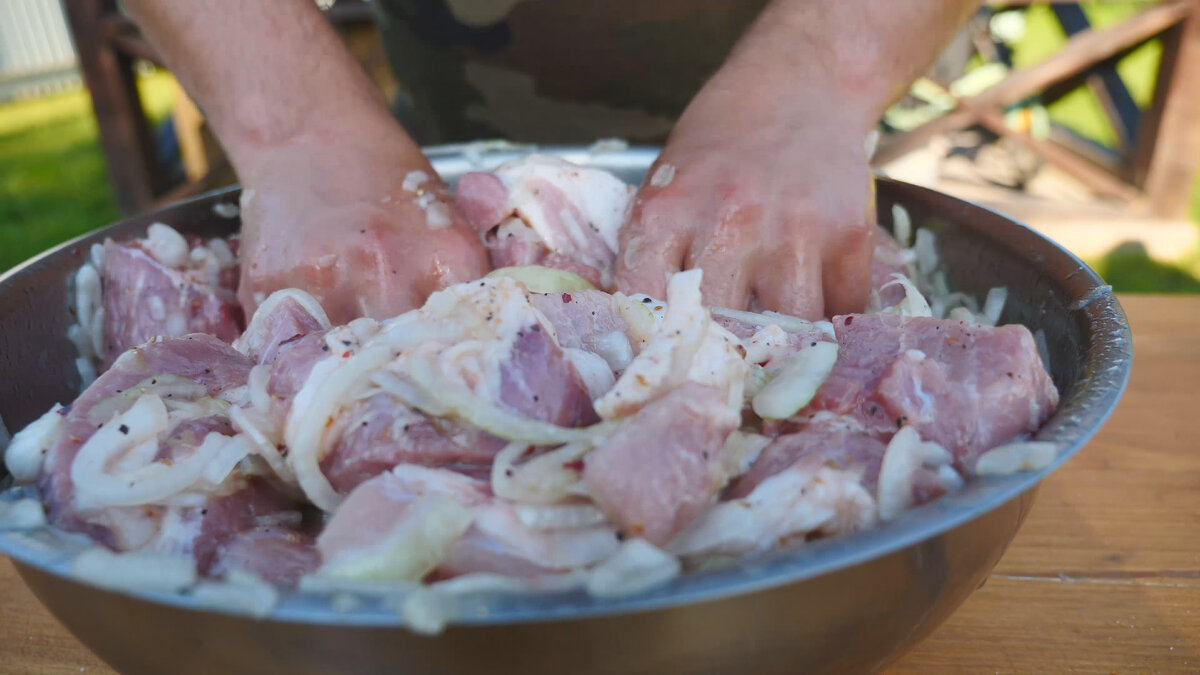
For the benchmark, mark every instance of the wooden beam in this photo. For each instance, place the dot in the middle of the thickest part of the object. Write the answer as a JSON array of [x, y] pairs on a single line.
[[1095, 178], [124, 133], [1105, 82], [1081, 51], [1084, 49], [1169, 148]]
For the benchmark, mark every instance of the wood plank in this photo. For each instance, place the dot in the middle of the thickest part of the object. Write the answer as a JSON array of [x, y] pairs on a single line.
[[1171, 144], [124, 132], [1080, 52], [34, 642]]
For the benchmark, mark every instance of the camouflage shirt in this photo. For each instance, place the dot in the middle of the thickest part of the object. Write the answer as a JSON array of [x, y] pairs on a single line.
[[554, 71]]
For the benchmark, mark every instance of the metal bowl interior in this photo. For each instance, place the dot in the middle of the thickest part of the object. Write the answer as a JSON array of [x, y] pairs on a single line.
[[893, 583]]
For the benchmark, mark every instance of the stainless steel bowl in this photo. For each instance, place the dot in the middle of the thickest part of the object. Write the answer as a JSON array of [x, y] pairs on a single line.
[[846, 604]]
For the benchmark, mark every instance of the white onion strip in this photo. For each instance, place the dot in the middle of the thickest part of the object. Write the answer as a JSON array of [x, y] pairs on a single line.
[[149, 483], [544, 479], [261, 445], [314, 409], [490, 417], [790, 324], [260, 397]]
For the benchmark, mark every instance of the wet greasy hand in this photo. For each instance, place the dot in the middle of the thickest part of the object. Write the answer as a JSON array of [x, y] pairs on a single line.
[[354, 225], [777, 215]]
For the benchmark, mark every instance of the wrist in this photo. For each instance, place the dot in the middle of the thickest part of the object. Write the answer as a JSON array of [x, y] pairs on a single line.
[[343, 139]]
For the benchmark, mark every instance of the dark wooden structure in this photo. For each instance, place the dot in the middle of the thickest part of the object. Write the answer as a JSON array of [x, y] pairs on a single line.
[[1152, 170], [1159, 148]]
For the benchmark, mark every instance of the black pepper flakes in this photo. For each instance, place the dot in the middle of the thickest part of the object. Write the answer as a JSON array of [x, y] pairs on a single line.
[[900, 421], [124, 429], [324, 348], [647, 300], [537, 328]]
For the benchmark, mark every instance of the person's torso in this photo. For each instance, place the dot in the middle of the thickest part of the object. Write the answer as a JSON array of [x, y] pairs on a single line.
[[564, 71]]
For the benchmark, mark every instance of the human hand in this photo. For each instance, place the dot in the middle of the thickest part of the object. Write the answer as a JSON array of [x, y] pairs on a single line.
[[361, 222], [775, 206]]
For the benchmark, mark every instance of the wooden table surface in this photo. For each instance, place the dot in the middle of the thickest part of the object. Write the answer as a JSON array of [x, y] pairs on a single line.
[[1104, 576]]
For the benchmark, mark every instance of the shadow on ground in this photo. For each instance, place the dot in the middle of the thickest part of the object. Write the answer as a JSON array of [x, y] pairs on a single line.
[[1130, 270]]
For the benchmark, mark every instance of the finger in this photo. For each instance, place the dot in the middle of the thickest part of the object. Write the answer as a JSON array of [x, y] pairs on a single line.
[[790, 282], [846, 269], [729, 256], [652, 246]]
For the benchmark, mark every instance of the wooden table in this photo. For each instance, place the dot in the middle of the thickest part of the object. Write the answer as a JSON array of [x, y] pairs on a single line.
[[1104, 576]]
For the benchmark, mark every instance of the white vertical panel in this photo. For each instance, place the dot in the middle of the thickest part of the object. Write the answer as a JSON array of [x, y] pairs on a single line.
[[36, 54]]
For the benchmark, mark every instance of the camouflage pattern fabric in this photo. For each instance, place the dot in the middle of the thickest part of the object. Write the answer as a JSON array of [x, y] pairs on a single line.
[[554, 71]]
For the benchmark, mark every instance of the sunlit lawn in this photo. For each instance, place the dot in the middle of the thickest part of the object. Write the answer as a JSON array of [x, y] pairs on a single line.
[[53, 181]]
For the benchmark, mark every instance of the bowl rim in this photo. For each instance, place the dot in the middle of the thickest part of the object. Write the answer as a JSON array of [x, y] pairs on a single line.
[[51, 551]]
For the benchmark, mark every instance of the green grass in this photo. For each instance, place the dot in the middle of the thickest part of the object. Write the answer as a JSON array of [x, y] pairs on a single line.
[[53, 180]]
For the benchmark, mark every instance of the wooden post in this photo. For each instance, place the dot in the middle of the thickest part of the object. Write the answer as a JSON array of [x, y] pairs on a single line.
[[124, 132], [1169, 141]]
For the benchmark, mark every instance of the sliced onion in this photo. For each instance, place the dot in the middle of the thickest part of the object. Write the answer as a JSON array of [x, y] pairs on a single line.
[[790, 324], [993, 306], [901, 225], [905, 454], [1016, 458], [150, 483], [757, 377], [166, 245], [559, 516], [913, 304], [134, 571], [254, 597], [409, 394], [615, 349], [539, 279], [925, 248], [488, 416], [22, 514], [637, 566], [544, 479], [314, 409], [797, 382], [639, 316], [266, 441], [226, 458], [741, 449], [256, 387], [412, 551], [596, 374], [170, 387], [27, 450]]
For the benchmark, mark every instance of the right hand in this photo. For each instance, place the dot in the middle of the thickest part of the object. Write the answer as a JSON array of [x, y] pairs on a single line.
[[330, 215]]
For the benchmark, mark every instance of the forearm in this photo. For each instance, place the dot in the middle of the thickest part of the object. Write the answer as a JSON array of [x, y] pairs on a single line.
[[263, 72], [850, 58]]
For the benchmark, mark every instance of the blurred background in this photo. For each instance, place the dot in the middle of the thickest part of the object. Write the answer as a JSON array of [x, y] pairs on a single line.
[[1082, 119]]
